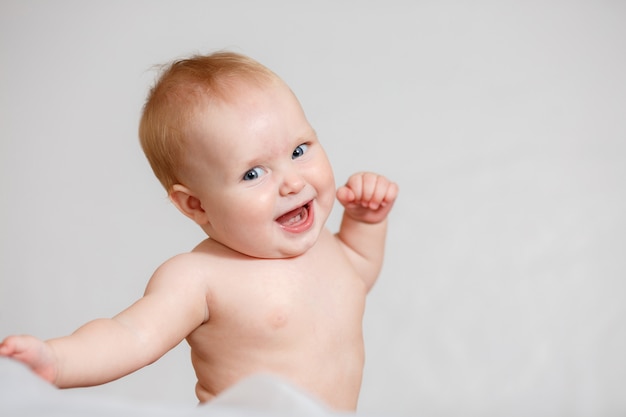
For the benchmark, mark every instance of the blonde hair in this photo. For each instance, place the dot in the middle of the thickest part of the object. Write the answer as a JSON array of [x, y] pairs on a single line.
[[172, 101]]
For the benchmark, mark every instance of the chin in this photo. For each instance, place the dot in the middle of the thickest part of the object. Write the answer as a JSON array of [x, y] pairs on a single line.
[[284, 253], [294, 254], [275, 253], [284, 247], [293, 250]]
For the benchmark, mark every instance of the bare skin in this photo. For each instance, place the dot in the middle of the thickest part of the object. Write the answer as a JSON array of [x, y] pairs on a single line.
[[272, 290], [303, 326]]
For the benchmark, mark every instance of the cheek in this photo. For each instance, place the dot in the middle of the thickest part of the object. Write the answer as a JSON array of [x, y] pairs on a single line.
[[327, 181], [248, 210], [325, 184]]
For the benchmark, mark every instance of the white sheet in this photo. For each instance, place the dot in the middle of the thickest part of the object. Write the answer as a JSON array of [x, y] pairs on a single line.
[[23, 394]]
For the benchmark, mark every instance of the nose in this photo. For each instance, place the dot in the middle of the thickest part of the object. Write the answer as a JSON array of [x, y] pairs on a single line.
[[292, 182]]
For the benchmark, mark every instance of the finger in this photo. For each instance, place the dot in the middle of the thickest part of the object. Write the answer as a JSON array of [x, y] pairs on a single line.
[[369, 182], [8, 346], [378, 199], [345, 195], [391, 193], [355, 185], [19, 345]]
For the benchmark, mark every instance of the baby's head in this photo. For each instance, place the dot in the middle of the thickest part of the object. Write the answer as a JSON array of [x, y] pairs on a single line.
[[230, 143], [183, 86]]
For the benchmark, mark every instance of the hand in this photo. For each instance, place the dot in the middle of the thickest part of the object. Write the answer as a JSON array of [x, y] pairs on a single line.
[[33, 352], [367, 197]]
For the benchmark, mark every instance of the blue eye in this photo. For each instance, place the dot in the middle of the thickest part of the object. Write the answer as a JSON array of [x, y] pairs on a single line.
[[253, 174], [299, 151]]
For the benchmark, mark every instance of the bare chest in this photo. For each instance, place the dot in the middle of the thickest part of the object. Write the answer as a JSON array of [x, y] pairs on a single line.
[[285, 317], [265, 297]]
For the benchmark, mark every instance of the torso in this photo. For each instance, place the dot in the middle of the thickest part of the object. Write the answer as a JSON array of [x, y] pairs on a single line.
[[298, 318]]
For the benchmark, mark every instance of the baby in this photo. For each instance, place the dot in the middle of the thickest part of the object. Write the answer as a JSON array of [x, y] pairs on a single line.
[[271, 289]]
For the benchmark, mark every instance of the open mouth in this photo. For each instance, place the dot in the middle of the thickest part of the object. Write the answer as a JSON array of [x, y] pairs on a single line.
[[298, 219]]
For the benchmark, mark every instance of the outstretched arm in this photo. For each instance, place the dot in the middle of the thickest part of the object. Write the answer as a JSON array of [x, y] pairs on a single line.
[[367, 199], [98, 352], [106, 349]]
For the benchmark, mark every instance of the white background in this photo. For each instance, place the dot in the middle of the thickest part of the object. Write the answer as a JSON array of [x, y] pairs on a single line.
[[504, 123]]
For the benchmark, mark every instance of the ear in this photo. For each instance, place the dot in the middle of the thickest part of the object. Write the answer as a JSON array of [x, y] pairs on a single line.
[[188, 204]]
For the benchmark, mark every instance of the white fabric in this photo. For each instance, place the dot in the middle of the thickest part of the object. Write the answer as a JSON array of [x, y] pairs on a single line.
[[23, 394]]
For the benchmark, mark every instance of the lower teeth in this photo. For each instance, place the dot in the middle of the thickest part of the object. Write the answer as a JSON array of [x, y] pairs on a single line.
[[294, 220]]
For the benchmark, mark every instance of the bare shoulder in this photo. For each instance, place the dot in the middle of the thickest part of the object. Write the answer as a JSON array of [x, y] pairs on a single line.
[[183, 270], [201, 267]]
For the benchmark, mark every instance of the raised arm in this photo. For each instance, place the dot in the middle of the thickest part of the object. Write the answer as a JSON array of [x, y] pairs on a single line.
[[367, 199], [106, 349]]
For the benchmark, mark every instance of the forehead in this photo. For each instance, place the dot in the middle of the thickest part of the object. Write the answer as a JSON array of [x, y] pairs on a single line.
[[251, 119], [247, 111]]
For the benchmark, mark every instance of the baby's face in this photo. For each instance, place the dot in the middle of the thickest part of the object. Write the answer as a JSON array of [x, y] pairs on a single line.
[[260, 173]]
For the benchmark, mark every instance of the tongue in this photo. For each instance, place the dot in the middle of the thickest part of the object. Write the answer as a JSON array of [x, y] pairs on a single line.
[[293, 217]]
